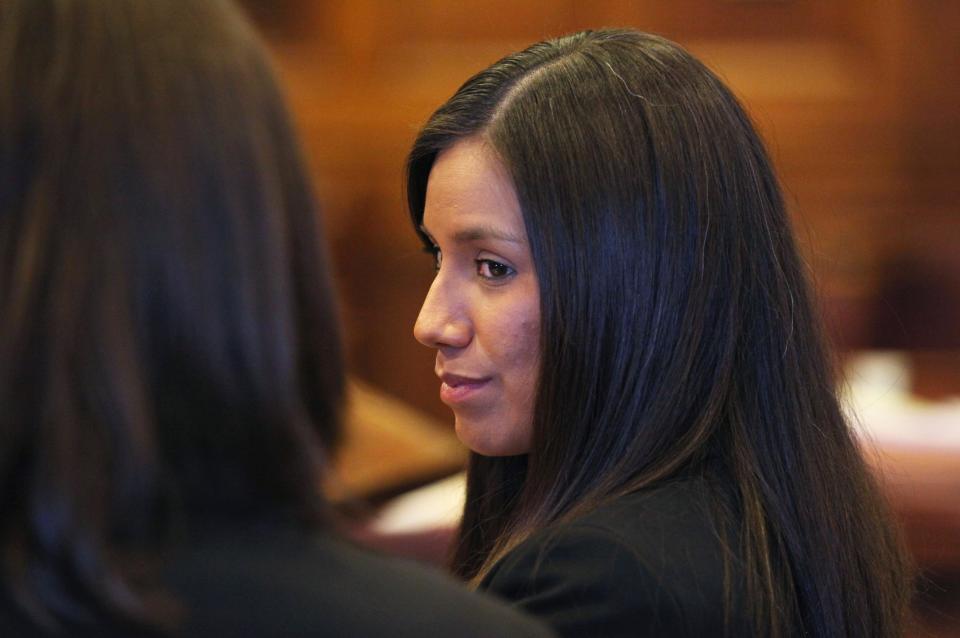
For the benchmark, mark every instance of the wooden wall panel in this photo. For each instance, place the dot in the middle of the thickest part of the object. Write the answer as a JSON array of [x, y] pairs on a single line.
[[744, 19]]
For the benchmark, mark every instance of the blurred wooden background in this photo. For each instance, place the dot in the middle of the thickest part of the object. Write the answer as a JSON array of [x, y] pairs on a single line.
[[859, 102]]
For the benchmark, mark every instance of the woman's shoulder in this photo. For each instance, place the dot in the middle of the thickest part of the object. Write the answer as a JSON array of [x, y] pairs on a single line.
[[663, 528], [668, 515], [652, 560]]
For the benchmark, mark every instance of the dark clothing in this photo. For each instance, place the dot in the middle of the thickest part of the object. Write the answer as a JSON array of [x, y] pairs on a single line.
[[646, 564], [281, 582]]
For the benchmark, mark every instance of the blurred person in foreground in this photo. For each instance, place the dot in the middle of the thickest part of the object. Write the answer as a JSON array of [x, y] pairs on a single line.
[[170, 366], [625, 334]]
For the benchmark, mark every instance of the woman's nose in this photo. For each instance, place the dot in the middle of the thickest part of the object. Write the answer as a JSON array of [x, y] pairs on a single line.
[[442, 321]]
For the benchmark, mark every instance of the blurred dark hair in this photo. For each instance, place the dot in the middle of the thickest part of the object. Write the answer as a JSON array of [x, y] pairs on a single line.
[[168, 339], [678, 331]]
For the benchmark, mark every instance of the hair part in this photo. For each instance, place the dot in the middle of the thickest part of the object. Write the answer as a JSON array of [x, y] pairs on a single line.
[[674, 299]]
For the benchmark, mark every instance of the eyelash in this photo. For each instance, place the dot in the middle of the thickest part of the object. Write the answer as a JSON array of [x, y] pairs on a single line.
[[434, 251], [491, 265]]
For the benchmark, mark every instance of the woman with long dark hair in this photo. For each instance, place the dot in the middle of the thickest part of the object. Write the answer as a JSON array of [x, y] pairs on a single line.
[[170, 366], [626, 336]]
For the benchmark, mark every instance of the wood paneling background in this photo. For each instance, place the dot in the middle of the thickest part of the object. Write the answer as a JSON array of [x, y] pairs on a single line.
[[859, 102]]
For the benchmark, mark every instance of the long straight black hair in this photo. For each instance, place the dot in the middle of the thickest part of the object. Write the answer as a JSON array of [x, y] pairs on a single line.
[[678, 331], [168, 339]]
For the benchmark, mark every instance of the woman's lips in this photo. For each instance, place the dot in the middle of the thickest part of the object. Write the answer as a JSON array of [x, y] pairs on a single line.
[[456, 389]]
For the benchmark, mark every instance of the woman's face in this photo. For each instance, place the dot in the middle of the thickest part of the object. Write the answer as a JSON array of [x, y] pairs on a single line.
[[482, 312]]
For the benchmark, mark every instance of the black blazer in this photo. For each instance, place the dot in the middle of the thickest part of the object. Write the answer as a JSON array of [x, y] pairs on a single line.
[[277, 582], [646, 564]]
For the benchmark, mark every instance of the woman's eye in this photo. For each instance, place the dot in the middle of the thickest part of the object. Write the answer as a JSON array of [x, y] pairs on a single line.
[[489, 269]]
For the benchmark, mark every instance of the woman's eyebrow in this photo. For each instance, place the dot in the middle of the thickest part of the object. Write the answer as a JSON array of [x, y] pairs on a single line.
[[475, 233], [423, 229]]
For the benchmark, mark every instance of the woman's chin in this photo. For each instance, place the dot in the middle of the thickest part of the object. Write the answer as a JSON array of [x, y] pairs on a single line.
[[489, 439]]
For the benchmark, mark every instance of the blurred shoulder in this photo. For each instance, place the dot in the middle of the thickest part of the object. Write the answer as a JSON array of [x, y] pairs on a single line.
[[291, 583], [277, 581]]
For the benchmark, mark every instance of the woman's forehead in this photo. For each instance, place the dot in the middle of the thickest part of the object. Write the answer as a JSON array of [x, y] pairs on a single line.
[[470, 195]]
